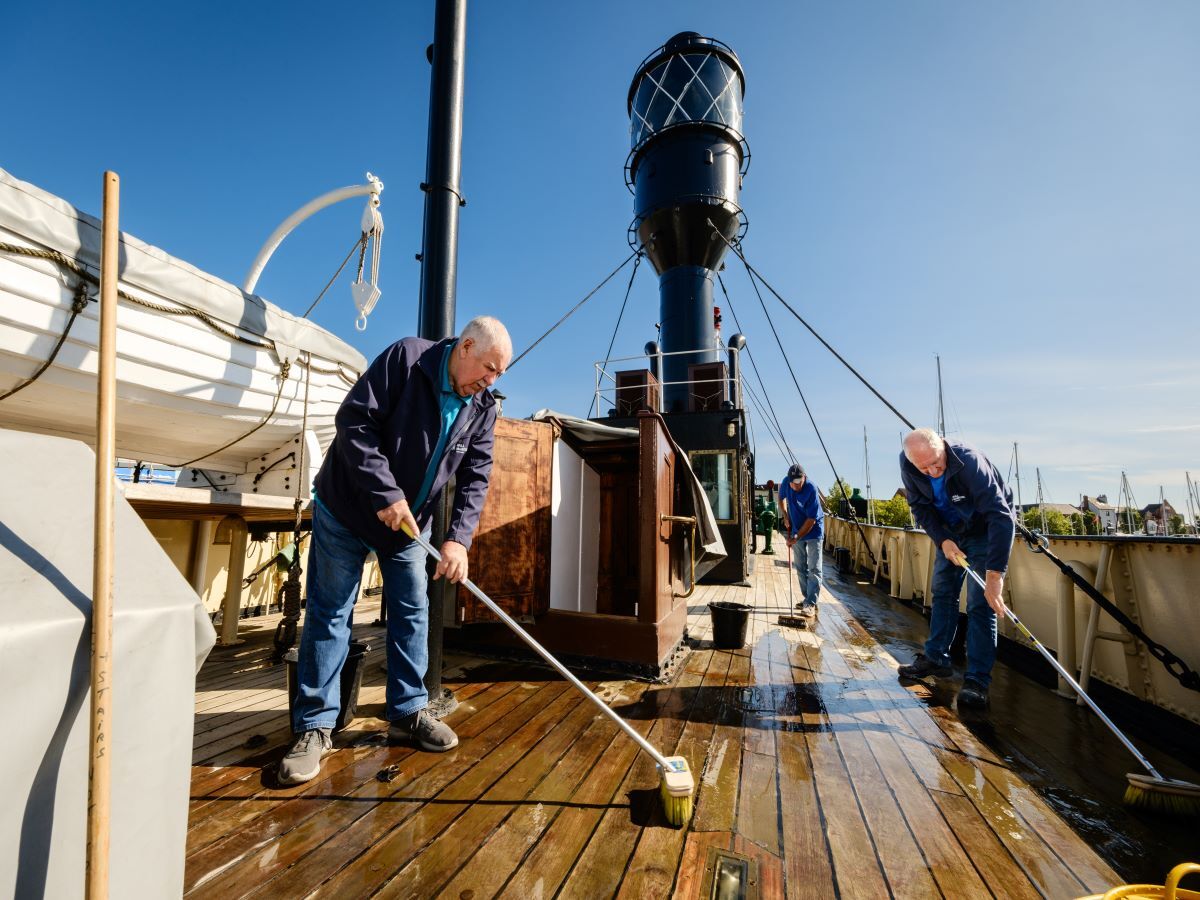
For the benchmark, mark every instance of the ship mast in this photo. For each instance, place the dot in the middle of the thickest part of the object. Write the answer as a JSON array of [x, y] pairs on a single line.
[[439, 258]]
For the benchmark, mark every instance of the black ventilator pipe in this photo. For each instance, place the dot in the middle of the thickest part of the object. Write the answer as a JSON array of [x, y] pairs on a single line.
[[685, 169], [439, 264]]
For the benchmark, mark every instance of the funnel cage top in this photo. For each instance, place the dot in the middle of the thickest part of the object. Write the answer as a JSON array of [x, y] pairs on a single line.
[[687, 42], [691, 81]]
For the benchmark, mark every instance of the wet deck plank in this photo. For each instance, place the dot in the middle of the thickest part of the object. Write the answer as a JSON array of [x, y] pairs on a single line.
[[811, 760]]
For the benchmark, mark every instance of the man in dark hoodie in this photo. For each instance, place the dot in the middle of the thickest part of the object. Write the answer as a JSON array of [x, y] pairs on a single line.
[[960, 500], [421, 414]]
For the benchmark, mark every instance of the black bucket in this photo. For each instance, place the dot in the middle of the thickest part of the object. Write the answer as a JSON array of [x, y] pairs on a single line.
[[729, 622], [843, 560], [352, 673]]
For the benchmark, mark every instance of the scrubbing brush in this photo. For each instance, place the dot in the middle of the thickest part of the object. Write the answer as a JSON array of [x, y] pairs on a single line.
[[1152, 791], [676, 784]]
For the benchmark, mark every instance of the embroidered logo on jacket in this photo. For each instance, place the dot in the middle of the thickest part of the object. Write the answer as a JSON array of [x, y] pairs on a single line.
[[460, 447], [958, 498]]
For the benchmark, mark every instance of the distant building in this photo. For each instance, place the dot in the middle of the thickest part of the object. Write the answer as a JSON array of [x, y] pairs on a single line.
[[1160, 514], [1104, 511]]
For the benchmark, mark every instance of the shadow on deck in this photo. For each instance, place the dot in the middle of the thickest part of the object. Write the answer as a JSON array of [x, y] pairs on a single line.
[[814, 766]]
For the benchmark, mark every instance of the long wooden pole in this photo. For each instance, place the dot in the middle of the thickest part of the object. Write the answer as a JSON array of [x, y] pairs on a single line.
[[99, 788]]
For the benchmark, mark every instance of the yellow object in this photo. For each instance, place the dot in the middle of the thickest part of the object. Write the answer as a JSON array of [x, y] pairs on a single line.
[[1169, 891], [676, 786]]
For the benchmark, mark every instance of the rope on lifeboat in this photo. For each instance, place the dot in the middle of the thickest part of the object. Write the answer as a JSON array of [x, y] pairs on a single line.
[[78, 305], [82, 298]]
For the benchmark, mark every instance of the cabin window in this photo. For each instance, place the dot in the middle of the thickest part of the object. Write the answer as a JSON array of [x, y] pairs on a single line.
[[715, 470]]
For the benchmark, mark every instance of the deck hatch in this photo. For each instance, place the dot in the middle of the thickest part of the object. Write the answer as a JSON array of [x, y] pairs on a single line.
[[729, 876]]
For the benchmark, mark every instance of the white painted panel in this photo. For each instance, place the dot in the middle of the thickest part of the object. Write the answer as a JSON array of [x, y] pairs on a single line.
[[574, 532], [567, 473]]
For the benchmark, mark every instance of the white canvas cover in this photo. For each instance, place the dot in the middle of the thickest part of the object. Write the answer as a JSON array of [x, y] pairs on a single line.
[[161, 635], [49, 222]]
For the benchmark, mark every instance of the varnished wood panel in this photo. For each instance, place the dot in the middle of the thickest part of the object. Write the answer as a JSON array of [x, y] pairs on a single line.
[[510, 554]]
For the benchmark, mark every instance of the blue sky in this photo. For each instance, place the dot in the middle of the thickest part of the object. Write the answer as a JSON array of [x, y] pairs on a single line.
[[1014, 186]]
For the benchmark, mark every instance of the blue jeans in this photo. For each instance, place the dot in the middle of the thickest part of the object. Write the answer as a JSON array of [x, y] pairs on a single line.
[[943, 617], [806, 559], [335, 564]]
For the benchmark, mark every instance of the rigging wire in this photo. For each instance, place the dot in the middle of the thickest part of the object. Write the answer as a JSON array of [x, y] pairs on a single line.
[[790, 456], [608, 354], [360, 242], [1174, 665], [766, 421], [572, 310], [838, 478], [754, 273]]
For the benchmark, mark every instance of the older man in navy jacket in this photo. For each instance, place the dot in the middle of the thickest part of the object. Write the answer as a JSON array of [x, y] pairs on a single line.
[[421, 414], [961, 501]]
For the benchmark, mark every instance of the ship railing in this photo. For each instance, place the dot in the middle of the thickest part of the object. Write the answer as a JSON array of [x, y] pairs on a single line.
[[730, 385]]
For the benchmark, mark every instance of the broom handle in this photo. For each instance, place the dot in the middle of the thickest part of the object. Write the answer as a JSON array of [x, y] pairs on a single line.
[[545, 654], [1070, 680], [99, 778]]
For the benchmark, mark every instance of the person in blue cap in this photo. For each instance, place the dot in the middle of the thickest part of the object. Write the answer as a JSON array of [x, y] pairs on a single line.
[[803, 522]]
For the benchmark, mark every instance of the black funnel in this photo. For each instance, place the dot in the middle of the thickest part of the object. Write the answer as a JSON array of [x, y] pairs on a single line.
[[685, 169]]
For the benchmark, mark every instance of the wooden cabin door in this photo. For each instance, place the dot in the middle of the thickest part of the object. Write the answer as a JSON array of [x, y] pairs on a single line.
[[510, 556]]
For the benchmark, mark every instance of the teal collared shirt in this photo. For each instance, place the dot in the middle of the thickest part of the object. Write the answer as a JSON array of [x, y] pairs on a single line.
[[452, 405]]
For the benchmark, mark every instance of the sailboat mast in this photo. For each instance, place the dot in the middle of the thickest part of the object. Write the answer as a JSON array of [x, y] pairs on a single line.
[[1128, 494], [1017, 465], [911, 518], [941, 408], [1192, 501], [1040, 500], [867, 474]]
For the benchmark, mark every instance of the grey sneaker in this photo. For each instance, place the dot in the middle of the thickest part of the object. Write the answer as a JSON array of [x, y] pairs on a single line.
[[808, 610], [425, 731], [303, 761]]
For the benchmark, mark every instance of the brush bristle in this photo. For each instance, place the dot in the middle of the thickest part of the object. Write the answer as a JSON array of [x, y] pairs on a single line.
[[1167, 796], [676, 787], [678, 810]]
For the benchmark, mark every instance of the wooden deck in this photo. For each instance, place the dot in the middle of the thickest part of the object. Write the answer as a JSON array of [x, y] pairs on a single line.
[[812, 762]]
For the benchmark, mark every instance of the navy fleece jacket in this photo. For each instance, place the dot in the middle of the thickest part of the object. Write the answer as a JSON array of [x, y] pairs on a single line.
[[387, 429], [978, 493]]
